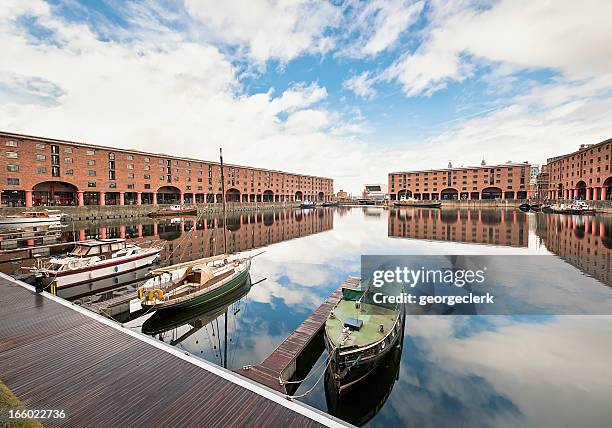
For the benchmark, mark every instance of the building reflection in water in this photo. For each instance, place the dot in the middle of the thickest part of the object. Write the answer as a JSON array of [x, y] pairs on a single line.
[[585, 242], [474, 226]]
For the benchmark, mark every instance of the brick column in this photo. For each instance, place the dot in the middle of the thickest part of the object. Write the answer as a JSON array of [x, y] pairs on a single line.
[[121, 198], [102, 198], [81, 198], [28, 198], [139, 198], [589, 194]]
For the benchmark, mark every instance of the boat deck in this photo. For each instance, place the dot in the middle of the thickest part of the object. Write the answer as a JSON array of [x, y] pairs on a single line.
[[54, 355]]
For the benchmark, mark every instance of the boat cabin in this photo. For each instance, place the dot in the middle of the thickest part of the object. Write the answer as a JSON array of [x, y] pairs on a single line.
[[96, 247]]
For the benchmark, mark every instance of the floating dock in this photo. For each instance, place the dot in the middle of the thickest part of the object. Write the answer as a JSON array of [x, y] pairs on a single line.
[[56, 355], [283, 363]]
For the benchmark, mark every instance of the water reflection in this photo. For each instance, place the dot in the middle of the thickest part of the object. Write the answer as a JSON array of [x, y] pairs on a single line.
[[475, 226]]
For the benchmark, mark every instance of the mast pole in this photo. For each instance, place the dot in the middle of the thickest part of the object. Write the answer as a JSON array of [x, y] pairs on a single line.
[[223, 201]]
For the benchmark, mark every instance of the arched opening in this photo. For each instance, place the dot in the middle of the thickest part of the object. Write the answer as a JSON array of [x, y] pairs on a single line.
[[232, 195], [168, 195], [581, 190], [404, 194], [54, 193], [321, 196], [268, 196], [491, 193], [449, 194], [607, 188], [298, 195]]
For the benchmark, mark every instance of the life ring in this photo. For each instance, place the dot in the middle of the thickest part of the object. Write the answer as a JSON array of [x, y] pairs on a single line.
[[156, 293]]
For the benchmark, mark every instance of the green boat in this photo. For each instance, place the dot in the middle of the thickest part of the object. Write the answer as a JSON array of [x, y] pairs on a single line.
[[194, 283], [360, 331]]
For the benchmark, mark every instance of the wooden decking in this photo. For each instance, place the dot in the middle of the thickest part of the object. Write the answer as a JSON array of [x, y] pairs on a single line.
[[56, 357], [282, 362]]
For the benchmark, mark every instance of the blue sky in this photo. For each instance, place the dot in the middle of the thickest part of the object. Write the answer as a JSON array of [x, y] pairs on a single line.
[[347, 89]]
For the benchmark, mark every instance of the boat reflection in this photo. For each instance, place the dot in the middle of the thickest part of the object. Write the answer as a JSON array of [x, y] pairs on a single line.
[[475, 226], [359, 404], [166, 324]]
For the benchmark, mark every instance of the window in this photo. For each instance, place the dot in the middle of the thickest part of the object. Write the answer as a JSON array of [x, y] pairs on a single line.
[[41, 157], [147, 176], [12, 155], [91, 184], [69, 172], [91, 162], [12, 168], [130, 157], [91, 173], [67, 149], [40, 146], [41, 169], [11, 143], [67, 160], [91, 152], [130, 166], [12, 181]]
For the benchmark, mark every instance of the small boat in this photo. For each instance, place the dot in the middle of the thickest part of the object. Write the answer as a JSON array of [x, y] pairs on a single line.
[[174, 211], [576, 207], [33, 218], [411, 202], [95, 259], [330, 204], [308, 204], [193, 283], [360, 332]]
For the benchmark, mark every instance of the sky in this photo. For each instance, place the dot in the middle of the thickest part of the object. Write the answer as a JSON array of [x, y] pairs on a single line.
[[345, 89]]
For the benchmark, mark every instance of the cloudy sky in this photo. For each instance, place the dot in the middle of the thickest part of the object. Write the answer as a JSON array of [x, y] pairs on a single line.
[[346, 89]]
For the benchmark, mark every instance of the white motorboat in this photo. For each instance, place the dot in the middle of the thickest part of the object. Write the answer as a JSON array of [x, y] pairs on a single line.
[[32, 218], [95, 259]]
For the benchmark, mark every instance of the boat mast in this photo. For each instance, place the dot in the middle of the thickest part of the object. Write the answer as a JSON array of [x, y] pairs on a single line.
[[223, 201]]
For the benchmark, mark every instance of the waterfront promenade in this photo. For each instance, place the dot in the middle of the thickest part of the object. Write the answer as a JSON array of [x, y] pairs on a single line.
[[55, 355]]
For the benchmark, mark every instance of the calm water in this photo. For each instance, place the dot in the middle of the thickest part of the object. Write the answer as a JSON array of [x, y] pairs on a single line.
[[455, 370]]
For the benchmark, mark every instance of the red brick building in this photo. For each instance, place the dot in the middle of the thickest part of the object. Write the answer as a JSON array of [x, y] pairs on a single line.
[[507, 181], [42, 171], [584, 174]]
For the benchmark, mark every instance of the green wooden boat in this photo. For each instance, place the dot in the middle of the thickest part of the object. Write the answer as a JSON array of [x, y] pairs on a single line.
[[194, 283], [359, 332]]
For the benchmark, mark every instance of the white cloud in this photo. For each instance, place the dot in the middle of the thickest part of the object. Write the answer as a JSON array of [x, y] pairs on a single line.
[[568, 36], [269, 29]]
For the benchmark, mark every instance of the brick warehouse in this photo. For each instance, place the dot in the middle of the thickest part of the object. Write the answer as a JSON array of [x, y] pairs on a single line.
[[585, 174], [507, 181], [40, 171]]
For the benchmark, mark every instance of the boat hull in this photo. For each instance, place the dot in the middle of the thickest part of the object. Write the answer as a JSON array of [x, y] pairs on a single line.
[[104, 270], [174, 213], [418, 204], [203, 298]]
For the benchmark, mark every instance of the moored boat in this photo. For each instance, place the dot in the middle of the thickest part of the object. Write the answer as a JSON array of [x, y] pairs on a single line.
[[174, 211], [95, 259], [359, 332], [411, 202], [32, 218], [194, 283], [308, 204]]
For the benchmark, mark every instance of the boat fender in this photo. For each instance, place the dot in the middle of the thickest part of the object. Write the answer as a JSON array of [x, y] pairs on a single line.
[[156, 293]]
